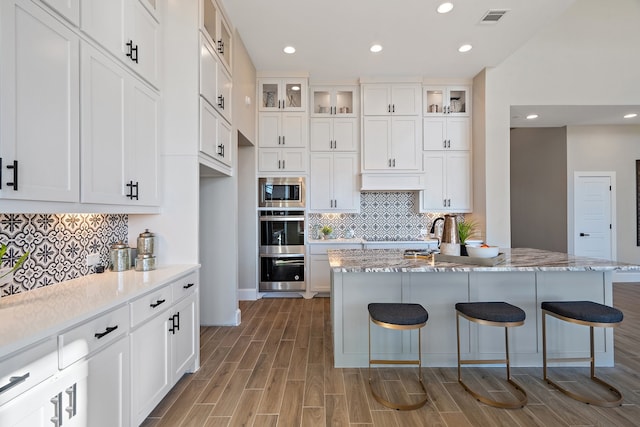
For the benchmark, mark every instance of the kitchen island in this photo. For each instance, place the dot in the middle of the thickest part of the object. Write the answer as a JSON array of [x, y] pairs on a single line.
[[526, 278]]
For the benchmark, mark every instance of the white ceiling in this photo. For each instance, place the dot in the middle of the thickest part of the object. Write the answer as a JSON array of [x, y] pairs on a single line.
[[332, 38]]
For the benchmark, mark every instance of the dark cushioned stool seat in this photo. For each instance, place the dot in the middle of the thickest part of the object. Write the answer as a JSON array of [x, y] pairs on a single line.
[[587, 311], [491, 311], [397, 313]]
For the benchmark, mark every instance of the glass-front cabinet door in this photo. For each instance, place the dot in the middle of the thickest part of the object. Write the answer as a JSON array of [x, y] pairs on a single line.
[[217, 31], [443, 100], [334, 101], [282, 94]]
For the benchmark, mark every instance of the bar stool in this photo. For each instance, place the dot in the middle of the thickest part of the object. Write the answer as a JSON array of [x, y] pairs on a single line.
[[586, 313], [398, 316], [491, 314]]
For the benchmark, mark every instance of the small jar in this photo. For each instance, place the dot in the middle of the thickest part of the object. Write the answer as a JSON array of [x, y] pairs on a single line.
[[120, 256], [146, 242], [145, 262]]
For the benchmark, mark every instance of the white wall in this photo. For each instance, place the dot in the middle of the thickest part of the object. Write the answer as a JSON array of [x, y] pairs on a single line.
[[609, 148], [587, 57]]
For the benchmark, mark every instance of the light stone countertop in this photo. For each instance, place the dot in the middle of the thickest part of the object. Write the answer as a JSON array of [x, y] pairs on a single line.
[[29, 317], [518, 259], [337, 241]]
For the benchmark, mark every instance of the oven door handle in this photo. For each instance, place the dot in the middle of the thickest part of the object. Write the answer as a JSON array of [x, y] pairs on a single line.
[[282, 255], [281, 218]]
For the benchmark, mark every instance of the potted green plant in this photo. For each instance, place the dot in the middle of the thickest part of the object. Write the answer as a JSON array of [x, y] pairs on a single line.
[[326, 231], [466, 229], [3, 250]]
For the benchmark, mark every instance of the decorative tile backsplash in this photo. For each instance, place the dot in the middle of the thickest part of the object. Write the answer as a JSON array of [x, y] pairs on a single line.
[[58, 246], [383, 215]]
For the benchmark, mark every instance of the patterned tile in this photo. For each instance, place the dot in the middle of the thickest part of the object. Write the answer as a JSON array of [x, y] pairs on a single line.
[[58, 246]]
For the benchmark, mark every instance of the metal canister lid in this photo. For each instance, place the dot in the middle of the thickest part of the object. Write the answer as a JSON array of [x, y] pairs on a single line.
[[119, 245], [146, 233]]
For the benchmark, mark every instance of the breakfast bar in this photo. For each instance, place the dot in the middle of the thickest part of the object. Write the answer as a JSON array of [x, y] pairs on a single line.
[[525, 279]]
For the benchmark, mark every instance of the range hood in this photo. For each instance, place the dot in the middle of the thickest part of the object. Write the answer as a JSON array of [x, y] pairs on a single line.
[[385, 181]]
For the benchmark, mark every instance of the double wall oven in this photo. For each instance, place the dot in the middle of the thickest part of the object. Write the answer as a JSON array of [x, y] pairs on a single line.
[[282, 233]]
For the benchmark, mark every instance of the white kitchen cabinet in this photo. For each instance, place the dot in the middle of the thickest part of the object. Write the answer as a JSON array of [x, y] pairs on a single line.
[[215, 82], [391, 143], [68, 9], [127, 30], [398, 99], [446, 133], [282, 94], [39, 141], [334, 101], [185, 329], [120, 146], [216, 148], [319, 269], [333, 134], [447, 100], [333, 182], [282, 160], [447, 182], [283, 130], [216, 29]]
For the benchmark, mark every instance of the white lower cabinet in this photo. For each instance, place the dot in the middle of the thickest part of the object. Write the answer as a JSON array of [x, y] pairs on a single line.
[[334, 182], [319, 270], [183, 337], [447, 182]]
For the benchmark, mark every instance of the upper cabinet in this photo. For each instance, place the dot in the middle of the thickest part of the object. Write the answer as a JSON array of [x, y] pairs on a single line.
[[68, 9], [443, 100], [128, 30], [39, 141], [397, 99], [338, 101], [446, 133], [289, 94], [215, 82], [217, 30]]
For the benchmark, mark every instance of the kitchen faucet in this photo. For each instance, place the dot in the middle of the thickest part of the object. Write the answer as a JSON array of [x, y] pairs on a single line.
[[433, 224]]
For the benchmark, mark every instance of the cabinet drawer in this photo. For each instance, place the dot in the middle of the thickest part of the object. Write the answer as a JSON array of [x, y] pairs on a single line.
[[92, 335], [321, 249], [25, 369], [185, 286], [148, 305]]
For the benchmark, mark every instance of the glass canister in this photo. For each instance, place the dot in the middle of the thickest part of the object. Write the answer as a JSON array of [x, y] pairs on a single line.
[[120, 256], [146, 242]]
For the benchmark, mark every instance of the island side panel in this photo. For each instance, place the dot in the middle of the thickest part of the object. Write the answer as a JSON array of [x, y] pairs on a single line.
[[570, 340], [438, 293]]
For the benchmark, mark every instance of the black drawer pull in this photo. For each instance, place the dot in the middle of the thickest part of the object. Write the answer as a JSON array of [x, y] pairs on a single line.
[[14, 381], [157, 303], [107, 331], [188, 285]]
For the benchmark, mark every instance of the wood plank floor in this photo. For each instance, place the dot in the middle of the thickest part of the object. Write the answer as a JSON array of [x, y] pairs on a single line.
[[276, 370]]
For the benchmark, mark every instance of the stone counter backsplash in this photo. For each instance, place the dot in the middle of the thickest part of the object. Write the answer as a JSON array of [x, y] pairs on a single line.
[[58, 246]]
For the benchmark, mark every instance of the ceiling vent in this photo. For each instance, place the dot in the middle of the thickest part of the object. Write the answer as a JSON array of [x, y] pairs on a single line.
[[492, 16]]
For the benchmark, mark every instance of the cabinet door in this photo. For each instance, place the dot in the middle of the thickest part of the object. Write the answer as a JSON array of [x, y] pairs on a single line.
[[345, 134], [345, 177], [183, 339], [458, 133], [406, 136], [377, 135], [208, 129], [289, 94], [68, 9], [150, 366], [435, 132], [319, 273], [294, 130], [320, 134], [458, 181], [108, 386], [144, 33], [208, 72], [269, 160], [142, 147], [269, 130], [405, 99], [433, 197], [376, 100], [225, 143], [223, 100], [104, 22], [294, 160], [321, 182], [40, 60], [104, 85]]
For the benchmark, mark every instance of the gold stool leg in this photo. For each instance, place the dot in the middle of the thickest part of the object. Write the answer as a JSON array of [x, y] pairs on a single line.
[[592, 367], [522, 400]]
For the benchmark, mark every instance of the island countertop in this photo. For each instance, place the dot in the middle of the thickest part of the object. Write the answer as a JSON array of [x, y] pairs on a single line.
[[516, 259]]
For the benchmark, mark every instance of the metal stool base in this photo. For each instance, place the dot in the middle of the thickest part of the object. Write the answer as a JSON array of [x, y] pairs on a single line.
[[592, 360]]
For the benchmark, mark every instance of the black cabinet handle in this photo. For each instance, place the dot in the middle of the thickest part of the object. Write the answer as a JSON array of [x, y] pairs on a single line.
[[393, 110], [188, 285], [107, 331], [389, 108], [282, 139], [221, 46], [14, 381], [584, 234], [221, 101], [157, 303], [283, 164], [175, 323], [14, 166], [133, 51], [132, 186]]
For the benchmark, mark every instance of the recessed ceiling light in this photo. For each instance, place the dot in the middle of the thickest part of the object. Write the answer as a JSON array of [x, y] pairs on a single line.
[[532, 116], [445, 7], [465, 48], [375, 48], [296, 88], [289, 49], [630, 115]]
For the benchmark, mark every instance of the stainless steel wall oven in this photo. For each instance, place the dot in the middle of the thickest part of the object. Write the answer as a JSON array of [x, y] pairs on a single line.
[[282, 260]]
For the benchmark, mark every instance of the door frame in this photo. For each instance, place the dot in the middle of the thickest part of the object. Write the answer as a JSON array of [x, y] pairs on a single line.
[[572, 215]]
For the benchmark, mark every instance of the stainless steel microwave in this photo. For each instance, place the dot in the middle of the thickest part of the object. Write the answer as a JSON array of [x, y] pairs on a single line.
[[281, 192]]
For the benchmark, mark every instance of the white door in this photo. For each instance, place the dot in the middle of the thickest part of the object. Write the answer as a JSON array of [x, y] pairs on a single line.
[[593, 227]]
